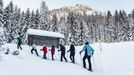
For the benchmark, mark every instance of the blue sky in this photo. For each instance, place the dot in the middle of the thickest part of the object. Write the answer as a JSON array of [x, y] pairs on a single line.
[[102, 5]]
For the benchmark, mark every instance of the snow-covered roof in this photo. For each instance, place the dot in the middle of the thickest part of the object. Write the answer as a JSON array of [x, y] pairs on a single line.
[[44, 33]]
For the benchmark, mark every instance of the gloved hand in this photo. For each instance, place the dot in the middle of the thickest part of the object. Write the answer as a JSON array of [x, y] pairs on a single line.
[[92, 53], [80, 52]]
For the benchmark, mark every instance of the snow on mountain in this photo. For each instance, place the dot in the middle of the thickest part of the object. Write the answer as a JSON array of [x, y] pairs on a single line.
[[78, 8], [113, 59]]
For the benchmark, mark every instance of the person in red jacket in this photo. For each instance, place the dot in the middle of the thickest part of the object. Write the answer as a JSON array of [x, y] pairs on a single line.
[[44, 49], [52, 51]]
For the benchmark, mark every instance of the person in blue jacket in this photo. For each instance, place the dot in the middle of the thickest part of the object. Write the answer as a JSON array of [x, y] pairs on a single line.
[[88, 53]]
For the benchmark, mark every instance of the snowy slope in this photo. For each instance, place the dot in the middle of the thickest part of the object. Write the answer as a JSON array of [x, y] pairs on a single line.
[[114, 59]]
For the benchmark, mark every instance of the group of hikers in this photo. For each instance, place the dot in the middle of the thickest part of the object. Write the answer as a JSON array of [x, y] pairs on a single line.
[[89, 51], [62, 49]]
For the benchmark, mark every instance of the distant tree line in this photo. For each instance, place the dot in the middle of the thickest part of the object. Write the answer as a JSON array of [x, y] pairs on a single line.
[[77, 27]]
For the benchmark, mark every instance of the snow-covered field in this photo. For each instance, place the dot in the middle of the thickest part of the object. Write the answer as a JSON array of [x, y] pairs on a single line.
[[114, 59]]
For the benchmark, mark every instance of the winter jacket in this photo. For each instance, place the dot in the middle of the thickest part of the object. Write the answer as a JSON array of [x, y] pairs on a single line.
[[72, 49], [34, 46], [44, 49], [88, 50], [52, 50], [19, 41], [62, 49]]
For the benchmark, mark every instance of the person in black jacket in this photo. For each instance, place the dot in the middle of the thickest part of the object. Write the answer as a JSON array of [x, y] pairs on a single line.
[[19, 41], [72, 53], [63, 51]]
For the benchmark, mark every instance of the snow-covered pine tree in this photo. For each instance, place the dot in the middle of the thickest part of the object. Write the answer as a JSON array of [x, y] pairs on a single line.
[[90, 28], [120, 32], [16, 20], [85, 21], [37, 20], [101, 24], [108, 27], [123, 27], [116, 24], [126, 27], [1, 4], [131, 17], [6, 22], [43, 8], [62, 26], [72, 27], [45, 17], [9, 22], [54, 23], [1, 23], [94, 26], [1, 13], [22, 22], [27, 20], [1, 36], [82, 35], [32, 20], [85, 18]]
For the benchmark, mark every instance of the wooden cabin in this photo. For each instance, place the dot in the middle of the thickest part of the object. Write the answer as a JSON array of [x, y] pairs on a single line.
[[40, 37]]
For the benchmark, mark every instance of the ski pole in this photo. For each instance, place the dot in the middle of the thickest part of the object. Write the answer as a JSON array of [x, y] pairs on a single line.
[[67, 55], [93, 60], [55, 57], [48, 53], [58, 54], [80, 60], [29, 49], [100, 45]]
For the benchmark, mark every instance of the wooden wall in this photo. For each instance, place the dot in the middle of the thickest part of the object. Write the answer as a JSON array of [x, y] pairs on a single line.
[[41, 40]]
